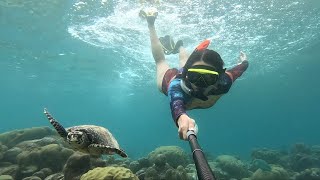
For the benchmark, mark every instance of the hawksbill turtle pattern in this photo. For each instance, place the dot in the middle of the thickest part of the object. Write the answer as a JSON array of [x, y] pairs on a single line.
[[91, 139]]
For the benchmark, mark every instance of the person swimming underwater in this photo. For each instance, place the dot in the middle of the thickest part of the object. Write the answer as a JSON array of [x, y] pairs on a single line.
[[199, 82]]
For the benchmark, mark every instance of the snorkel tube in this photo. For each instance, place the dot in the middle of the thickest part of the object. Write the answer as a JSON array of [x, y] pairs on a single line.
[[203, 169]]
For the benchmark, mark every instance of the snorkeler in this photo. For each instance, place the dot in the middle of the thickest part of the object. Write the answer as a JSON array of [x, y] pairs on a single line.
[[200, 81]]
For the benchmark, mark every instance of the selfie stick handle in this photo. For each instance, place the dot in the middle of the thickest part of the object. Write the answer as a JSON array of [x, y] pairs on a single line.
[[203, 169]]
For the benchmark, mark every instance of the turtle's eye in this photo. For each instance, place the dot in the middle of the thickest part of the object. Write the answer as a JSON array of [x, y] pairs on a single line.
[[69, 136]]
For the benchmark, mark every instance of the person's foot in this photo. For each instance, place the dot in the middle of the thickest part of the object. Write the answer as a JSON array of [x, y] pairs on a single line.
[[150, 14]]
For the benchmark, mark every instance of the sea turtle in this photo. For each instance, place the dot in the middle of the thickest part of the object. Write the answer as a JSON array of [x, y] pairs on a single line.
[[95, 140]]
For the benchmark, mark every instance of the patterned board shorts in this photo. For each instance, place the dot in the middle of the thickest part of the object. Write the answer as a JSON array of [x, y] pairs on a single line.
[[168, 76]]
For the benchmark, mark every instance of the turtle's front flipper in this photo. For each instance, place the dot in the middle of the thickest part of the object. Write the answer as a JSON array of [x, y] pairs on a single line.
[[59, 128], [104, 149]]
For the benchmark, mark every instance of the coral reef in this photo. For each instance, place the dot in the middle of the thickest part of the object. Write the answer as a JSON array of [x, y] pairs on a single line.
[[234, 167], [309, 174], [268, 155], [115, 173], [276, 173], [259, 164], [175, 155], [12, 138], [39, 153]]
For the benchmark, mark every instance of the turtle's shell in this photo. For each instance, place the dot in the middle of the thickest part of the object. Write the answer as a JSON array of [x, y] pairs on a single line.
[[97, 135]]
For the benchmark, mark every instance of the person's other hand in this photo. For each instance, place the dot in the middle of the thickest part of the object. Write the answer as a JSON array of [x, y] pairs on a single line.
[[185, 123], [242, 57]]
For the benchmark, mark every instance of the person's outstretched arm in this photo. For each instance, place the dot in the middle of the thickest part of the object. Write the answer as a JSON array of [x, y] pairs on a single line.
[[177, 101], [238, 70], [178, 110]]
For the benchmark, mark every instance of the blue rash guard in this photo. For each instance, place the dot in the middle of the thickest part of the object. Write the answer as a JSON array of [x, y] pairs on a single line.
[[178, 98]]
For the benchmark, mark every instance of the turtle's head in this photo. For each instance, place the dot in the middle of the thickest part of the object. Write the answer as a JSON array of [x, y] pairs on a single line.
[[77, 139]]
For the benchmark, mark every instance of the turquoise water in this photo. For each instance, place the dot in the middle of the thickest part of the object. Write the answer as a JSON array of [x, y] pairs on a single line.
[[90, 63]]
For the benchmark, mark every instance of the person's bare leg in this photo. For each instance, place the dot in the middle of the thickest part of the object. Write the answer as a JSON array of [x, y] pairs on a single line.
[[183, 56], [158, 54]]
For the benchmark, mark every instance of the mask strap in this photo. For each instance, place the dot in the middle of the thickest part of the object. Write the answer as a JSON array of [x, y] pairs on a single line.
[[185, 88]]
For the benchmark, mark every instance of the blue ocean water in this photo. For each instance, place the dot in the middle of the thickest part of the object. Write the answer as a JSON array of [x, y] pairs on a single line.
[[90, 63]]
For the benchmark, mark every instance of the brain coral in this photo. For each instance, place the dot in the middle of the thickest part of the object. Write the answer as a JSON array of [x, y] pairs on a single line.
[[107, 173], [175, 155]]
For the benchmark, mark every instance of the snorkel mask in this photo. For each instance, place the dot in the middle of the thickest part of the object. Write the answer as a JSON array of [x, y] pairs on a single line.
[[200, 76]]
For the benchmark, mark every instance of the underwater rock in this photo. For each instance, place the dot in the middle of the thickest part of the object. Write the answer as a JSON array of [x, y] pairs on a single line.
[[315, 150], [54, 156], [151, 174], [303, 157], [270, 156], [11, 170], [232, 166], [97, 162], [300, 162], [259, 164], [76, 166], [51, 156], [134, 166], [276, 173], [43, 173], [191, 168], [3, 149], [165, 171], [144, 162], [112, 161], [125, 163], [160, 160], [11, 155], [115, 173], [177, 174], [5, 164], [6, 177], [141, 173], [30, 145], [12, 138], [175, 155], [27, 158], [39, 174], [300, 148], [27, 171], [157, 172], [32, 178], [57, 176], [309, 174], [220, 174]]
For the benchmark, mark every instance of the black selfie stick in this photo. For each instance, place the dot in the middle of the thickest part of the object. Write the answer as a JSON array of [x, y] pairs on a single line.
[[203, 169]]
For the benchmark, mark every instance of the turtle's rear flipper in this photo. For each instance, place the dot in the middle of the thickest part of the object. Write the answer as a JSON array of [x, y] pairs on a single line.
[[59, 128], [104, 149]]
